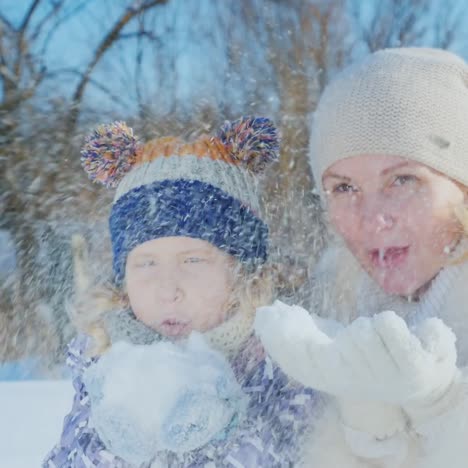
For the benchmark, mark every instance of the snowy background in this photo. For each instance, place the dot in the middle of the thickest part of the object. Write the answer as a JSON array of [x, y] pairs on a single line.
[[167, 67], [32, 414]]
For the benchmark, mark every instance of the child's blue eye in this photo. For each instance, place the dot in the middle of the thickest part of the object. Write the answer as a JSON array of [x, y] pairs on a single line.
[[195, 260], [146, 264]]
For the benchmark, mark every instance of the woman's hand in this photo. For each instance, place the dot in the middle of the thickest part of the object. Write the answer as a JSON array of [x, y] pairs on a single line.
[[374, 358]]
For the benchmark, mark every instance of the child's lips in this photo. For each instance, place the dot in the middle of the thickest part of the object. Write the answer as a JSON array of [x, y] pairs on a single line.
[[174, 328], [389, 257]]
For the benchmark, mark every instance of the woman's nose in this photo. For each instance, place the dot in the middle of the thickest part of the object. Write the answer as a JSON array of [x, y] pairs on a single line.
[[377, 217], [384, 221]]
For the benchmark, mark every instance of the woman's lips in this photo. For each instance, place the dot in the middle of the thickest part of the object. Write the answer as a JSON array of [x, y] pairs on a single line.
[[389, 257], [172, 327]]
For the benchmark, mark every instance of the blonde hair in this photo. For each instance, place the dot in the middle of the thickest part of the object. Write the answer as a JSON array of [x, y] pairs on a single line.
[[250, 291], [461, 213]]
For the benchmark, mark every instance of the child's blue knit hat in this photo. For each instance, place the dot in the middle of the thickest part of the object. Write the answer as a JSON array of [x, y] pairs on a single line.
[[206, 189]]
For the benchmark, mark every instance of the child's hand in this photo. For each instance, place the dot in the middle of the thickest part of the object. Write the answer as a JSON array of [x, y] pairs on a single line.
[[164, 396], [376, 358], [208, 406]]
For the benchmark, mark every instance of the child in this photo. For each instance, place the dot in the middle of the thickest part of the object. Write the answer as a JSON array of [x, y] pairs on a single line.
[[189, 254], [389, 151]]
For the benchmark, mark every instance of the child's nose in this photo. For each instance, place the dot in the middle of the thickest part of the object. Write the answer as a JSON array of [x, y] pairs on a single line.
[[168, 289]]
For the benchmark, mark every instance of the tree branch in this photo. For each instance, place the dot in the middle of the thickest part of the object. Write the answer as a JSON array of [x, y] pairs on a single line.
[[6, 22], [100, 86], [111, 37], [28, 16], [57, 23], [51, 14]]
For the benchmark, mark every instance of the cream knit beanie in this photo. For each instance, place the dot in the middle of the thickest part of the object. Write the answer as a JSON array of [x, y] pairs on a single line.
[[408, 102]]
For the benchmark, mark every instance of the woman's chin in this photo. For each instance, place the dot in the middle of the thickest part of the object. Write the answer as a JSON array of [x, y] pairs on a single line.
[[397, 285]]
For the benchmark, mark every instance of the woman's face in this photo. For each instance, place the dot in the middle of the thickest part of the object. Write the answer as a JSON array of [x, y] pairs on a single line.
[[179, 284], [396, 216]]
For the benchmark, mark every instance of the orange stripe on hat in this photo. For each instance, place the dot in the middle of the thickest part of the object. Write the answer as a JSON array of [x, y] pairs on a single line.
[[203, 147]]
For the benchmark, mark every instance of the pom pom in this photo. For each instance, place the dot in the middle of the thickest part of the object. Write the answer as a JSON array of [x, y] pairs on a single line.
[[109, 153], [253, 141]]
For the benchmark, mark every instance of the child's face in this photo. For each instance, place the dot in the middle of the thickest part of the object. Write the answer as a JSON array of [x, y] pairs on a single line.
[[396, 216], [179, 284]]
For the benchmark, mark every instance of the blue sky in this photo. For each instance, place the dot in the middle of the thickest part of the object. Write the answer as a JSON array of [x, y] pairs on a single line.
[[187, 37], [195, 65]]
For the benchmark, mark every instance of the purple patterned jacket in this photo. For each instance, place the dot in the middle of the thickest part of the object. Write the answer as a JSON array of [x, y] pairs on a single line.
[[278, 414]]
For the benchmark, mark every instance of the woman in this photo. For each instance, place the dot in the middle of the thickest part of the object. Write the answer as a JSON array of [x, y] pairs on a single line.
[[389, 151]]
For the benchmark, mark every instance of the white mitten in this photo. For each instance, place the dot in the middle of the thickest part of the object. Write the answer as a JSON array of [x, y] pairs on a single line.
[[443, 389], [374, 358], [287, 333], [375, 430], [442, 433], [164, 396]]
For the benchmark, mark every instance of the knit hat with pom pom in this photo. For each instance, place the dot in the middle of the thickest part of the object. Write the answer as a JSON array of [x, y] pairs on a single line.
[[205, 189]]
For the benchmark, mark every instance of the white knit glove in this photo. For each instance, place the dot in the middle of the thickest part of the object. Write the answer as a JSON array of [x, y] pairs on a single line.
[[374, 358]]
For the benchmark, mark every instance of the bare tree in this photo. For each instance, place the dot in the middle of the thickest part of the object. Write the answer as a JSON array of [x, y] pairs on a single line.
[[23, 51], [136, 9], [304, 43], [42, 192], [398, 23]]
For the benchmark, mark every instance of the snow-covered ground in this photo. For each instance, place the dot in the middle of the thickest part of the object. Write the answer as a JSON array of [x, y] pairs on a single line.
[[31, 416]]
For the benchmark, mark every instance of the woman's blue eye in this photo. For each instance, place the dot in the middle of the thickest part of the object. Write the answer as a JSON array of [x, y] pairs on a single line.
[[404, 179], [343, 188]]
